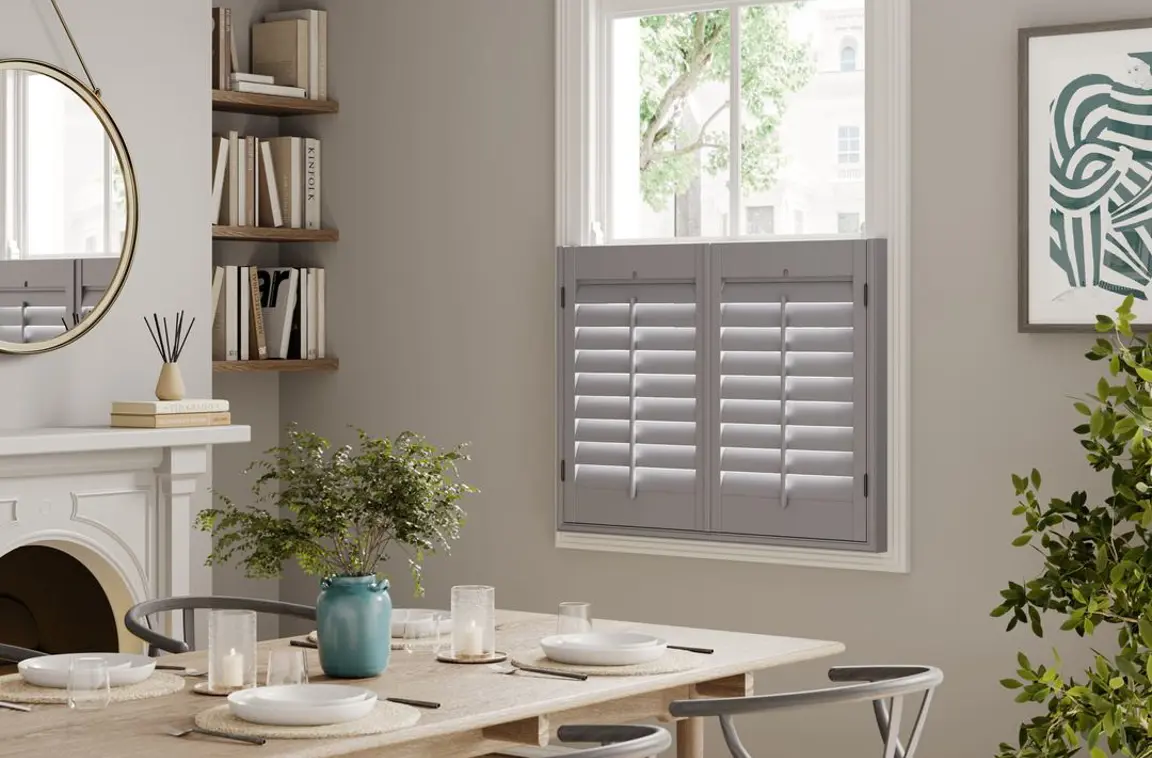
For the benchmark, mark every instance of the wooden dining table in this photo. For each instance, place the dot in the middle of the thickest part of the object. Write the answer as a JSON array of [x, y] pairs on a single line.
[[483, 712]]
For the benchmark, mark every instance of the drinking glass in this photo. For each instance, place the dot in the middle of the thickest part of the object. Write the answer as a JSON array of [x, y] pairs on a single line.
[[88, 685], [287, 666], [423, 631], [574, 618]]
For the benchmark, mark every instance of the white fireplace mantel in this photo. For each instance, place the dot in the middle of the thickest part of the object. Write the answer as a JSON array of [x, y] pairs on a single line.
[[119, 500]]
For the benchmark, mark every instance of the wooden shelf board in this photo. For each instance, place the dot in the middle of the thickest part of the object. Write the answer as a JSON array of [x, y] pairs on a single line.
[[292, 366], [270, 234], [269, 105]]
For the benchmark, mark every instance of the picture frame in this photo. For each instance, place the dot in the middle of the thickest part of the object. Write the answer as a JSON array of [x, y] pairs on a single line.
[[1085, 173]]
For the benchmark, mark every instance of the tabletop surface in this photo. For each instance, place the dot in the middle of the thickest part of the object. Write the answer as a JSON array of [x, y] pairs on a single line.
[[472, 697]]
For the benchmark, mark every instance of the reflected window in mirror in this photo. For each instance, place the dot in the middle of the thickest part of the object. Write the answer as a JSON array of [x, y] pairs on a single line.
[[64, 193]]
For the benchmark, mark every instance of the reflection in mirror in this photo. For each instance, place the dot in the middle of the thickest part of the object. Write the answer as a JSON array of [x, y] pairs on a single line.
[[65, 212]]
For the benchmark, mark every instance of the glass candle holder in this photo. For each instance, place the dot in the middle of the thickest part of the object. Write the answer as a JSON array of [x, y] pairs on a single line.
[[473, 623], [231, 650]]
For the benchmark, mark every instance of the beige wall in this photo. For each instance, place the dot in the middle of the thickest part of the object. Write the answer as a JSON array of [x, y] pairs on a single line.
[[439, 173], [146, 73]]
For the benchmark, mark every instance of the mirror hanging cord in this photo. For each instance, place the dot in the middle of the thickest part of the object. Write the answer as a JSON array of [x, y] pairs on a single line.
[[72, 41]]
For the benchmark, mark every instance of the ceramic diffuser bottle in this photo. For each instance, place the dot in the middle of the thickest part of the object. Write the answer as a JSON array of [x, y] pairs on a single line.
[[170, 385]]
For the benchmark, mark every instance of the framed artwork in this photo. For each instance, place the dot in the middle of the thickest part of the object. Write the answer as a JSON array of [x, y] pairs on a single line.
[[1085, 173]]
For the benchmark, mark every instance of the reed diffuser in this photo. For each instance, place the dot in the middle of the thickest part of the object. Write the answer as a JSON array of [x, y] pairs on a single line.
[[170, 344]]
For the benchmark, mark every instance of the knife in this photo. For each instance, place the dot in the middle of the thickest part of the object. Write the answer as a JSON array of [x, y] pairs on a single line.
[[15, 707]]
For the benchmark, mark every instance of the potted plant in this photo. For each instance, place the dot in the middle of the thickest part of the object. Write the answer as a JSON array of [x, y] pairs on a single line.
[[1097, 572], [343, 511]]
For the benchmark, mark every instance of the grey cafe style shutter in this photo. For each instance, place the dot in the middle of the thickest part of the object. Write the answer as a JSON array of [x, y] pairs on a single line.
[[632, 343]]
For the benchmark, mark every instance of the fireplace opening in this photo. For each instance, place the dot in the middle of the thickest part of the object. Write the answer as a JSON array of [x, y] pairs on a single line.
[[51, 602]]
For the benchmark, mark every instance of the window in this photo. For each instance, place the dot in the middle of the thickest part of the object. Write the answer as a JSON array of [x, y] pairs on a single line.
[[661, 182], [723, 392], [762, 219], [848, 145], [848, 56]]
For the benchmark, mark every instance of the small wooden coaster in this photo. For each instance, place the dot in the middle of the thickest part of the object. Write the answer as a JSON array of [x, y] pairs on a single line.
[[496, 657], [203, 688]]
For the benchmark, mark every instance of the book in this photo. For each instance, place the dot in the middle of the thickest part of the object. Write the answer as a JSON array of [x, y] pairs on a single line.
[[278, 303], [244, 314], [311, 183], [238, 77], [171, 420], [317, 21], [305, 312], [256, 183], [219, 50], [219, 171], [280, 50], [233, 59], [286, 162], [257, 337], [231, 313], [231, 200], [241, 181], [296, 346], [219, 318], [270, 89], [313, 313], [168, 407], [321, 305], [250, 181], [270, 208]]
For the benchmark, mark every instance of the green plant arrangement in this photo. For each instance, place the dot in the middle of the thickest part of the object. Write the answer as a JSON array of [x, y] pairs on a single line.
[[1097, 571], [347, 508]]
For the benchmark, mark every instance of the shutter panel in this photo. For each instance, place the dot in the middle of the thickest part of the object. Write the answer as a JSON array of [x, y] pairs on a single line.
[[790, 407], [632, 337]]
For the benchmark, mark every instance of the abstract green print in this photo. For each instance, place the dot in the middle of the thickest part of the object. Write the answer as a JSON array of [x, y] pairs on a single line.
[[1101, 166]]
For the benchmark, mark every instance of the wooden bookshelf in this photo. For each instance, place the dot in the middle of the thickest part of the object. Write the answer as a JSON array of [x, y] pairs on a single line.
[[275, 365], [272, 234], [270, 105]]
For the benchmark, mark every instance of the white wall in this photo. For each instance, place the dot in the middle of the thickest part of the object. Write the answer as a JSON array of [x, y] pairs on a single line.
[[151, 61], [439, 173]]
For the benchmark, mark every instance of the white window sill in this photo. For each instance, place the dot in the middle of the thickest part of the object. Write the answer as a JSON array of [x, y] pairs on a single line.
[[725, 551]]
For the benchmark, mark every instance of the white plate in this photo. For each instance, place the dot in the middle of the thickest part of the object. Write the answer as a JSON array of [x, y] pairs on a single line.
[[595, 649], [52, 670], [302, 704], [422, 620]]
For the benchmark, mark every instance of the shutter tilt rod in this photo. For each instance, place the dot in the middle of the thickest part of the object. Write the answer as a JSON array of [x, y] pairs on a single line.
[[783, 402]]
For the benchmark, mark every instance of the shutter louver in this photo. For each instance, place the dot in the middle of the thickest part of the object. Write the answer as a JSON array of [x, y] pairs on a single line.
[[634, 363]]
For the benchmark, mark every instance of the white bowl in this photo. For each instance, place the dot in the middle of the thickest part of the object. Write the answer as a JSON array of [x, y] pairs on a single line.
[[603, 649], [302, 704], [422, 620], [52, 670]]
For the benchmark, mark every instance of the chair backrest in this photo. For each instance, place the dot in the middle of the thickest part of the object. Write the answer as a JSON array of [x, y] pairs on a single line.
[[884, 686], [139, 624], [13, 654], [617, 741]]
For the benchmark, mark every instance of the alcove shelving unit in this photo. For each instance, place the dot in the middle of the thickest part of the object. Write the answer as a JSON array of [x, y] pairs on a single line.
[[226, 101]]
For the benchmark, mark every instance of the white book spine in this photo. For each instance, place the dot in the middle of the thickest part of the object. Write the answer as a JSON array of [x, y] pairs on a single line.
[[258, 88], [256, 181], [234, 178], [297, 184], [218, 173], [321, 315], [242, 182], [289, 312], [305, 314], [323, 54], [232, 313], [311, 183], [313, 313], [219, 318], [270, 184], [245, 314], [254, 78]]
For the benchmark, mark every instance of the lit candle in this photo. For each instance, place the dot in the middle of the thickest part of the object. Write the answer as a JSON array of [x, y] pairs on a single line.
[[232, 670], [472, 640]]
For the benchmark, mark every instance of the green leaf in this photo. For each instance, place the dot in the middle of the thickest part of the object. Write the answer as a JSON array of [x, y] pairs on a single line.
[[1022, 540], [1010, 684], [1023, 661], [1146, 632], [1144, 373], [1083, 408], [1116, 682], [1035, 479], [1103, 389], [1098, 753]]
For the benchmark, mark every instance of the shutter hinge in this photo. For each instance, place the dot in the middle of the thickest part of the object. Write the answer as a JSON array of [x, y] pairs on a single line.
[[865, 295], [563, 469], [563, 297], [865, 485]]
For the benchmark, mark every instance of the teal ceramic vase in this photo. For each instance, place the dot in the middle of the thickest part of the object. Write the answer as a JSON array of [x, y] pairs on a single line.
[[354, 624]]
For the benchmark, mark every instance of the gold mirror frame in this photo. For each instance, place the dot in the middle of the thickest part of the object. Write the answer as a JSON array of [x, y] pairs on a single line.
[[130, 197]]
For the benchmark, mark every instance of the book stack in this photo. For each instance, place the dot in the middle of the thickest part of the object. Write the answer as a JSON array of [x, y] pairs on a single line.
[[170, 414], [292, 48], [266, 182], [264, 313]]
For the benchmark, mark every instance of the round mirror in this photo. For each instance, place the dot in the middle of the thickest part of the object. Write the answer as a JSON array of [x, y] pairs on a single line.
[[67, 208]]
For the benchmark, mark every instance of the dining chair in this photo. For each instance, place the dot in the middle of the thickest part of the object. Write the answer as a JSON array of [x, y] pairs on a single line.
[[138, 621], [616, 741], [884, 686], [13, 654]]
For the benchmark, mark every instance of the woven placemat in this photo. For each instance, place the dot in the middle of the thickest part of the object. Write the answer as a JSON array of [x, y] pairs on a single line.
[[387, 717], [14, 689], [421, 643], [671, 662]]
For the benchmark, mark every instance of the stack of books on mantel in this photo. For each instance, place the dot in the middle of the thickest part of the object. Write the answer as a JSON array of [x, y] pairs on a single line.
[[170, 414]]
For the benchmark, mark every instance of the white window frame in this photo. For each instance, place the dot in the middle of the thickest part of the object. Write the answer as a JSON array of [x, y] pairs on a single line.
[[580, 25], [844, 149]]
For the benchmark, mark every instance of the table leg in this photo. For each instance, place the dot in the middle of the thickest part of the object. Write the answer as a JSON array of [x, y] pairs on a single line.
[[690, 738]]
